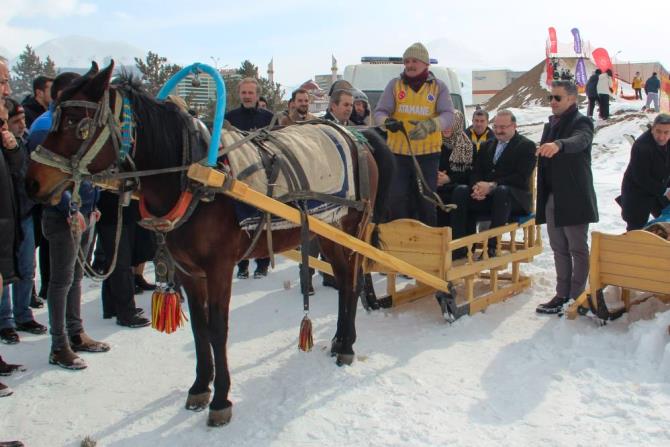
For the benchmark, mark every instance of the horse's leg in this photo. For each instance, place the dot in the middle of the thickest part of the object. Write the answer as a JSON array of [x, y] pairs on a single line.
[[199, 393], [219, 284], [343, 268]]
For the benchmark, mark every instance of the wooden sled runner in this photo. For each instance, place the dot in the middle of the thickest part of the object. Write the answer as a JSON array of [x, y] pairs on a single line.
[[637, 260], [421, 252]]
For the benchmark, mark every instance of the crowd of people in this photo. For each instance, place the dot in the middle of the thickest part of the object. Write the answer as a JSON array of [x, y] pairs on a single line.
[[485, 169], [65, 233]]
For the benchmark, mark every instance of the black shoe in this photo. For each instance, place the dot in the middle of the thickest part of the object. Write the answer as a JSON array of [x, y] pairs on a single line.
[[36, 302], [32, 327], [9, 336], [259, 273], [554, 306], [242, 274], [142, 283], [134, 322]]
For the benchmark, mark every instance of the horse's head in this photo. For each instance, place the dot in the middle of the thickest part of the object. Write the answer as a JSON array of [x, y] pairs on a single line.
[[83, 138]]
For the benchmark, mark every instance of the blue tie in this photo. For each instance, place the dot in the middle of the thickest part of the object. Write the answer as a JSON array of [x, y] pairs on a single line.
[[499, 150]]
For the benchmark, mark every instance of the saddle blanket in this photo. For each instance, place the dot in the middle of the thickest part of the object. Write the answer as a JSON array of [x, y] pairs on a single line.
[[314, 157]]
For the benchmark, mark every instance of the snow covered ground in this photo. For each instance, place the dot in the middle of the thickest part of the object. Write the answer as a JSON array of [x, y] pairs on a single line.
[[503, 377]]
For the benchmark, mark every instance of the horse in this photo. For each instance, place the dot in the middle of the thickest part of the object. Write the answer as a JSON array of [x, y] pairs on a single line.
[[207, 246]]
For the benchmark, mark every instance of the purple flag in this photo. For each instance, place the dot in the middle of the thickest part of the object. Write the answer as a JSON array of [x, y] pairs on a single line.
[[578, 40], [580, 73]]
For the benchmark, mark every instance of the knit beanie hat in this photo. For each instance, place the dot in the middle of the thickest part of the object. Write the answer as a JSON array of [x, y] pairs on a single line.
[[417, 51]]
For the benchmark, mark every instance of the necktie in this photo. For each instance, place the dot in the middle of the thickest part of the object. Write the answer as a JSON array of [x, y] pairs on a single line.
[[499, 150]]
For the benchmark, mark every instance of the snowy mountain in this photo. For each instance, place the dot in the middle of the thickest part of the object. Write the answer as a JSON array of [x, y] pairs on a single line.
[[79, 51], [504, 377]]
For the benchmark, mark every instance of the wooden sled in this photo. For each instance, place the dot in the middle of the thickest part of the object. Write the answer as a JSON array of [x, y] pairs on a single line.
[[637, 260], [416, 250]]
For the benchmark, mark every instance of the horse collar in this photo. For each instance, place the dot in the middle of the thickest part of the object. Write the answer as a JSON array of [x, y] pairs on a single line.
[[173, 219]]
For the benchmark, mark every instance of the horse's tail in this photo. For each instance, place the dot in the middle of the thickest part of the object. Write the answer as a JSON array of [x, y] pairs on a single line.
[[386, 168]]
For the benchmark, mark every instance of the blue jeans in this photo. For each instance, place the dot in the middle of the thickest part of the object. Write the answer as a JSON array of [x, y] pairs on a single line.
[[22, 289]]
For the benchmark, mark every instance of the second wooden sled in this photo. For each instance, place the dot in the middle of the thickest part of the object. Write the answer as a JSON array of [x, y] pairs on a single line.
[[637, 260]]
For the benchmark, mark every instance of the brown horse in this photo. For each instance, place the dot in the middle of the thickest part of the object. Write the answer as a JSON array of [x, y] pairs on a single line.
[[209, 244]]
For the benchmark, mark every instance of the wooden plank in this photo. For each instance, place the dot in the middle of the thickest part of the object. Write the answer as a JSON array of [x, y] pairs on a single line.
[[240, 191], [480, 303], [637, 283], [595, 282], [634, 260], [636, 243], [315, 263], [462, 270], [481, 237], [631, 271], [407, 235], [411, 293], [571, 313]]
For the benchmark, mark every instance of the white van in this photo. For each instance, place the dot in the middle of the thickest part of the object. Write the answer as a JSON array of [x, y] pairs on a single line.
[[373, 74]]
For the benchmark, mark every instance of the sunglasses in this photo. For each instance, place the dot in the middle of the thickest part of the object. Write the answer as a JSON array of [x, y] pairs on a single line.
[[557, 98]]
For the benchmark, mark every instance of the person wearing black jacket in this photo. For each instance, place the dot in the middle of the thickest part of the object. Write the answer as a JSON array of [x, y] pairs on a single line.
[[592, 92], [645, 187], [500, 185], [566, 199], [10, 160], [250, 117], [38, 103]]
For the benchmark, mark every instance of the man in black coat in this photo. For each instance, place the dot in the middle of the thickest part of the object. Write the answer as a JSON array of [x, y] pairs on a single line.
[[500, 184], [566, 199], [250, 117], [644, 189], [592, 92], [38, 103]]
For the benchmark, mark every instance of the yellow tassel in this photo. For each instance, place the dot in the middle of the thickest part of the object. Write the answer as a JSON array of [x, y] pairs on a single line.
[[305, 340]]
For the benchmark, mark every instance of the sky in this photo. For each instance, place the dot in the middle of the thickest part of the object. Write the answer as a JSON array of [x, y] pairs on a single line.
[[300, 36]]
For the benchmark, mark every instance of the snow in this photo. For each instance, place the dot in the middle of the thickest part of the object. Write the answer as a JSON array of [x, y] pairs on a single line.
[[503, 377]]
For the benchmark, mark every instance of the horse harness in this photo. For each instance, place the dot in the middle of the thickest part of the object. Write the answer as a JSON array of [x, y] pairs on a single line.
[[116, 124]]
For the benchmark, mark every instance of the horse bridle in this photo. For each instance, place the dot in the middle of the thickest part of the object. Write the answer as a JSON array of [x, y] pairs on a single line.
[[106, 120]]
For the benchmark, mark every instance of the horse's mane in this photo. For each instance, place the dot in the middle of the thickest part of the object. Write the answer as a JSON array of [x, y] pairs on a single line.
[[160, 125]]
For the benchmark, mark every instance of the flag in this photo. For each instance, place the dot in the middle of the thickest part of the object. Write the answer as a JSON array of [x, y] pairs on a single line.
[[602, 59], [580, 73], [578, 40], [553, 43]]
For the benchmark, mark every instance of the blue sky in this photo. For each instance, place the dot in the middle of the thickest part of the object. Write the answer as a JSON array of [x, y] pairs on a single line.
[[301, 35]]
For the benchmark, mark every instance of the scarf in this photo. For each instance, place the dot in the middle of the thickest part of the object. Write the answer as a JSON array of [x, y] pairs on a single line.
[[460, 159], [417, 81]]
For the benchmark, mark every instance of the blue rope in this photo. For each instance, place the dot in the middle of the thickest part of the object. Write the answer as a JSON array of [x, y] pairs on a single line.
[[126, 129]]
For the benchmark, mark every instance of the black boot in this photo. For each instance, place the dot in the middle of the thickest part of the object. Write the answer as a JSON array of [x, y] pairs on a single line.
[[553, 306]]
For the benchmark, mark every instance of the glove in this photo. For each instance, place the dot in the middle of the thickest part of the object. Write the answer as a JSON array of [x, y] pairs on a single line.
[[94, 217], [422, 129], [393, 125]]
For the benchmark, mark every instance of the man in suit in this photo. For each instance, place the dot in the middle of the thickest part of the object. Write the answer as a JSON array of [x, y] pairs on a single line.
[[566, 199], [500, 185], [645, 188]]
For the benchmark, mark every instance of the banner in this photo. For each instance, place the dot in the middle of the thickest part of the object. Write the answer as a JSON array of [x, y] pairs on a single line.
[[580, 73], [553, 43], [578, 40], [602, 59]]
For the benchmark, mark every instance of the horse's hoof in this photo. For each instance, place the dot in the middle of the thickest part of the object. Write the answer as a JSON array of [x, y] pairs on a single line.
[[198, 402], [335, 347], [345, 359], [217, 418]]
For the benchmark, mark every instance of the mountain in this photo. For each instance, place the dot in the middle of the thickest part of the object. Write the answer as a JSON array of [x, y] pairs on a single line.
[[79, 51]]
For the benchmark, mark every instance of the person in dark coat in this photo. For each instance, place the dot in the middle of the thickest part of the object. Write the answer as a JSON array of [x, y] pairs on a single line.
[[10, 159], [592, 92], [38, 103], [500, 185], [566, 199], [645, 187], [250, 117], [480, 132]]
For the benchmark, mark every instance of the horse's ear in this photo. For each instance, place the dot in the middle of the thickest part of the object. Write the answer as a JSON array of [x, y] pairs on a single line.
[[92, 71], [96, 88]]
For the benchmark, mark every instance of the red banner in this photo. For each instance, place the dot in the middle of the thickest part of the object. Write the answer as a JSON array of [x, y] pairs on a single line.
[[602, 59], [553, 43]]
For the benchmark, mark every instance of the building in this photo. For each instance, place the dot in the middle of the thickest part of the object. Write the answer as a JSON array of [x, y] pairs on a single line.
[[486, 83], [324, 81], [626, 70], [200, 94]]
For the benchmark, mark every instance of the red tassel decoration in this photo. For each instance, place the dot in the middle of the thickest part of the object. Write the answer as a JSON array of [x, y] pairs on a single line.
[[166, 313], [305, 340]]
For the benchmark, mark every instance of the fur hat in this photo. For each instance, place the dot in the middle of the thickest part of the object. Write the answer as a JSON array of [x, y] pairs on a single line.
[[418, 52]]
